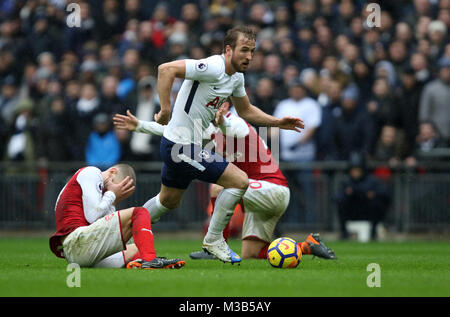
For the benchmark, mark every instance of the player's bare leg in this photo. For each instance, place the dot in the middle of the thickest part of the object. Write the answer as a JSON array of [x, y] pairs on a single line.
[[235, 183], [167, 199], [130, 252], [252, 248]]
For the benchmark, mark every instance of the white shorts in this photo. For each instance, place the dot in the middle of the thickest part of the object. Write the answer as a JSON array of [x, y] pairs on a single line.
[[88, 245], [264, 204]]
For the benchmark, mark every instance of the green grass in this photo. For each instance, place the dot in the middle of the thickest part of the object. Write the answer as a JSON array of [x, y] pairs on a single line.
[[28, 268]]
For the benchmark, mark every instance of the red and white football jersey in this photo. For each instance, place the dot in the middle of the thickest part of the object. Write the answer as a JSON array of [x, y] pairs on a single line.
[[80, 203], [249, 153]]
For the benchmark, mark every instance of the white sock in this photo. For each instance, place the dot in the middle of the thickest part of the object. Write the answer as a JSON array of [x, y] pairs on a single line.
[[223, 210], [155, 208]]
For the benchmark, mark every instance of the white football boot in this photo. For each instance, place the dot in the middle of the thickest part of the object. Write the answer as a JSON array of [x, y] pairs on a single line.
[[221, 250]]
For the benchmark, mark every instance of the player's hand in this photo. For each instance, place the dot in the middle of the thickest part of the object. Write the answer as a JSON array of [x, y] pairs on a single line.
[[128, 122], [291, 123], [122, 190], [219, 116], [162, 117]]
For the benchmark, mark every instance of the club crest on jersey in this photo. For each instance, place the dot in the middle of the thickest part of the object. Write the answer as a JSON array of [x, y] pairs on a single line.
[[201, 66]]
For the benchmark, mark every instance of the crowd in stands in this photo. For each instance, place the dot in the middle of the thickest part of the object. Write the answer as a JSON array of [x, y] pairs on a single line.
[[381, 90]]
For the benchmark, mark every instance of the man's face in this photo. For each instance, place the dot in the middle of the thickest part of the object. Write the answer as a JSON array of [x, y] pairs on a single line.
[[356, 172], [242, 54], [444, 74]]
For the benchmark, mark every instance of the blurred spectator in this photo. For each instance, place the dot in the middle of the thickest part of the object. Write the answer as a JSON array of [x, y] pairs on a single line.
[[352, 128], [8, 99], [308, 77], [437, 33], [330, 100], [390, 147], [264, 97], [380, 106], [109, 22], [102, 148], [86, 108], [363, 79], [273, 68], [405, 107], [109, 101], [190, 14], [419, 64], [427, 141], [300, 147], [145, 146], [255, 70], [21, 143], [160, 22], [361, 197], [331, 65], [133, 10], [434, 100], [42, 38], [75, 37], [55, 134]]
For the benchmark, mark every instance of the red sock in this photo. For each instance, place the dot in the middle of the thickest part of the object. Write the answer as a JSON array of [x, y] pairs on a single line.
[[142, 234], [304, 247], [263, 252], [226, 231]]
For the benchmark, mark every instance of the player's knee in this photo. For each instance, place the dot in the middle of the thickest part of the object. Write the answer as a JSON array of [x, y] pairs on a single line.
[[169, 202], [215, 190], [242, 181], [137, 211]]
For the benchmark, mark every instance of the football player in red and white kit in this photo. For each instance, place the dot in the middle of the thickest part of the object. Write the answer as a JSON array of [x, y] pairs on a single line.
[[91, 233], [267, 196]]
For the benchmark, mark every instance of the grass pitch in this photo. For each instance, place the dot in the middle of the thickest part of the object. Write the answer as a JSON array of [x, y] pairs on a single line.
[[28, 268]]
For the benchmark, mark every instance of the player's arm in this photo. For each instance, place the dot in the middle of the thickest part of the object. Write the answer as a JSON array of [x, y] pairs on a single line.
[[167, 73], [231, 125], [131, 123], [256, 116], [95, 204]]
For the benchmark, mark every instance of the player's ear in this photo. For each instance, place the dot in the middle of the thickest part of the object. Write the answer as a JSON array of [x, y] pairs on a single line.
[[112, 171], [228, 50]]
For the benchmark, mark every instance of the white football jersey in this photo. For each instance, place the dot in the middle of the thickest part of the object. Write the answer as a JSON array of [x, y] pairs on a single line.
[[205, 88]]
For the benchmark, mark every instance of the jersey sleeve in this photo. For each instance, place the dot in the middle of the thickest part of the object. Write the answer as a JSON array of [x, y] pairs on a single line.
[[234, 126], [204, 70], [95, 203], [239, 90], [150, 127]]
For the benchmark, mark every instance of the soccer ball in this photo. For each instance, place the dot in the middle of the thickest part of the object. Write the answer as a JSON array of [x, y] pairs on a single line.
[[284, 253]]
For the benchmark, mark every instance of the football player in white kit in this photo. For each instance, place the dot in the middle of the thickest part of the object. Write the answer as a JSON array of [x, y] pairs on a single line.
[[208, 83]]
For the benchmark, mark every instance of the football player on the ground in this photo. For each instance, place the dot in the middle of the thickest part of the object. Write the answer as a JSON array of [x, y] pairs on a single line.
[[267, 197], [207, 84], [91, 233]]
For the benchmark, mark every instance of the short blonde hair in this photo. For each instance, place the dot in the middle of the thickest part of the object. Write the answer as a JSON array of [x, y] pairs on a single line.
[[124, 170]]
